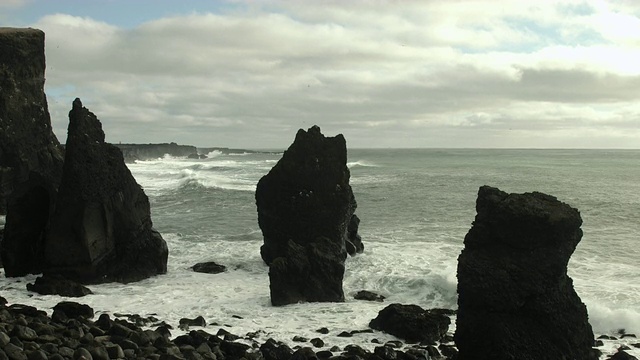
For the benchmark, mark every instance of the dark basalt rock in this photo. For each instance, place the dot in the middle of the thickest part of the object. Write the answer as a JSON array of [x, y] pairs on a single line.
[[354, 241], [101, 230], [412, 323], [209, 268], [30, 155], [58, 285], [515, 298], [305, 204], [368, 296], [74, 310]]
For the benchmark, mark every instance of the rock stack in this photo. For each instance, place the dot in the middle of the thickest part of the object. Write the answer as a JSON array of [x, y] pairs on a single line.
[[101, 229], [515, 300], [305, 205], [30, 155]]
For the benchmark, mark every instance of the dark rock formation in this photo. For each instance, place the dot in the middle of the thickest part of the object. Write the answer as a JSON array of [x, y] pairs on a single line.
[[209, 268], [305, 204], [58, 285], [30, 155], [515, 298], [132, 152], [101, 229], [412, 323]]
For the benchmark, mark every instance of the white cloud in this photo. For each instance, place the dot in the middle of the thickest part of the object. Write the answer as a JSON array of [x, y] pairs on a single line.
[[377, 72]]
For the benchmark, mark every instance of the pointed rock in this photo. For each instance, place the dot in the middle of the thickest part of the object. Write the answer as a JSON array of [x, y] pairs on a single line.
[[101, 229]]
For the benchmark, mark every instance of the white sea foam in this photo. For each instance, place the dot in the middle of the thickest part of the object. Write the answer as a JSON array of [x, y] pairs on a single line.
[[362, 163], [3, 220]]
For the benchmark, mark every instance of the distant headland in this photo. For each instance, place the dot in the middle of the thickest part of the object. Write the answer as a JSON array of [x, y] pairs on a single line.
[[133, 152]]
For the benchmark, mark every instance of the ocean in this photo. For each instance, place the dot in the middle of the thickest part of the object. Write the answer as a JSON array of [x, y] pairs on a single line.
[[415, 206]]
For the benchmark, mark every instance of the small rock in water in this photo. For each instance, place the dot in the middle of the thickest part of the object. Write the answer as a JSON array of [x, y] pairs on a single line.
[[300, 339], [628, 336], [345, 334], [317, 342], [323, 330], [209, 268], [368, 296]]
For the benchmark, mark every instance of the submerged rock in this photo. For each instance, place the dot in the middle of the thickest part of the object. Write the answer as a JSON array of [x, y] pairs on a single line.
[[101, 229], [305, 204], [30, 155], [515, 298], [412, 323]]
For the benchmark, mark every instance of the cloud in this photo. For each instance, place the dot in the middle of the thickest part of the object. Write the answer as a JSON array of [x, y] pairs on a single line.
[[464, 73]]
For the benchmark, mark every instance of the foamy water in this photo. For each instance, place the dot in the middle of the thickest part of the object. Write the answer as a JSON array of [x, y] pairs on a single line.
[[416, 206]]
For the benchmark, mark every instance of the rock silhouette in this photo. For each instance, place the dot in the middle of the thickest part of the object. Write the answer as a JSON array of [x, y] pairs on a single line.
[[515, 298], [101, 229], [305, 205], [30, 155]]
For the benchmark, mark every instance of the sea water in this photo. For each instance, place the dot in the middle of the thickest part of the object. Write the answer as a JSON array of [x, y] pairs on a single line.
[[416, 207]]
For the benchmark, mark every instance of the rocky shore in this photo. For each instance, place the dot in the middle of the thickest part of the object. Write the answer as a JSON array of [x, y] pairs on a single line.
[[72, 332]]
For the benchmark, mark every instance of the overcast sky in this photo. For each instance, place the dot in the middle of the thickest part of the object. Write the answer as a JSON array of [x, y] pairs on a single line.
[[560, 74]]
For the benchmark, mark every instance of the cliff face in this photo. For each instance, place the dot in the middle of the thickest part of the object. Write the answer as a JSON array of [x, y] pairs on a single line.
[[515, 299], [305, 205], [30, 155], [101, 229], [133, 152]]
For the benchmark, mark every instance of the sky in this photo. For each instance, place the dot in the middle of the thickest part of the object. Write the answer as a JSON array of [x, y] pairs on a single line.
[[386, 74]]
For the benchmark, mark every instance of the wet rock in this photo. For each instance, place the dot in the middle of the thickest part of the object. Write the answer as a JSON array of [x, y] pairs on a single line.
[[323, 330], [58, 285], [368, 296], [273, 350], [30, 155], [622, 355], [412, 323], [305, 204], [515, 298], [101, 229], [74, 310], [209, 268], [317, 342]]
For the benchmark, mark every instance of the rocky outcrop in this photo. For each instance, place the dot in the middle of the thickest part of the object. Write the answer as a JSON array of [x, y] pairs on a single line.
[[412, 323], [305, 204], [133, 152], [515, 300], [30, 155], [101, 229]]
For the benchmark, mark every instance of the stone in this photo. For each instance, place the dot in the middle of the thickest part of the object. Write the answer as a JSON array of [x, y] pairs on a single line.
[[515, 299], [101, 229], [74, 310], [317, 342], [305, 204], [368, 296], [411, 323], [30, 155], [197, 321], [58, 285], [209, 268]]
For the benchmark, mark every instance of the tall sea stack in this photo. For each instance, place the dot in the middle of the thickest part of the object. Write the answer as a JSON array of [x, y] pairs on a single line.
[[305, 205], [515, 299], [101, 229], [30, 155]]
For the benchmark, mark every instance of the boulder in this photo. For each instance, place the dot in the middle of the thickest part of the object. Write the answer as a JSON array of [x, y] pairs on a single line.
[[515, 300], [74, 310], [58, 285], [209, 268], [305, 204], [411, 323], [101, 229], [30, 155], [368, 296]]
